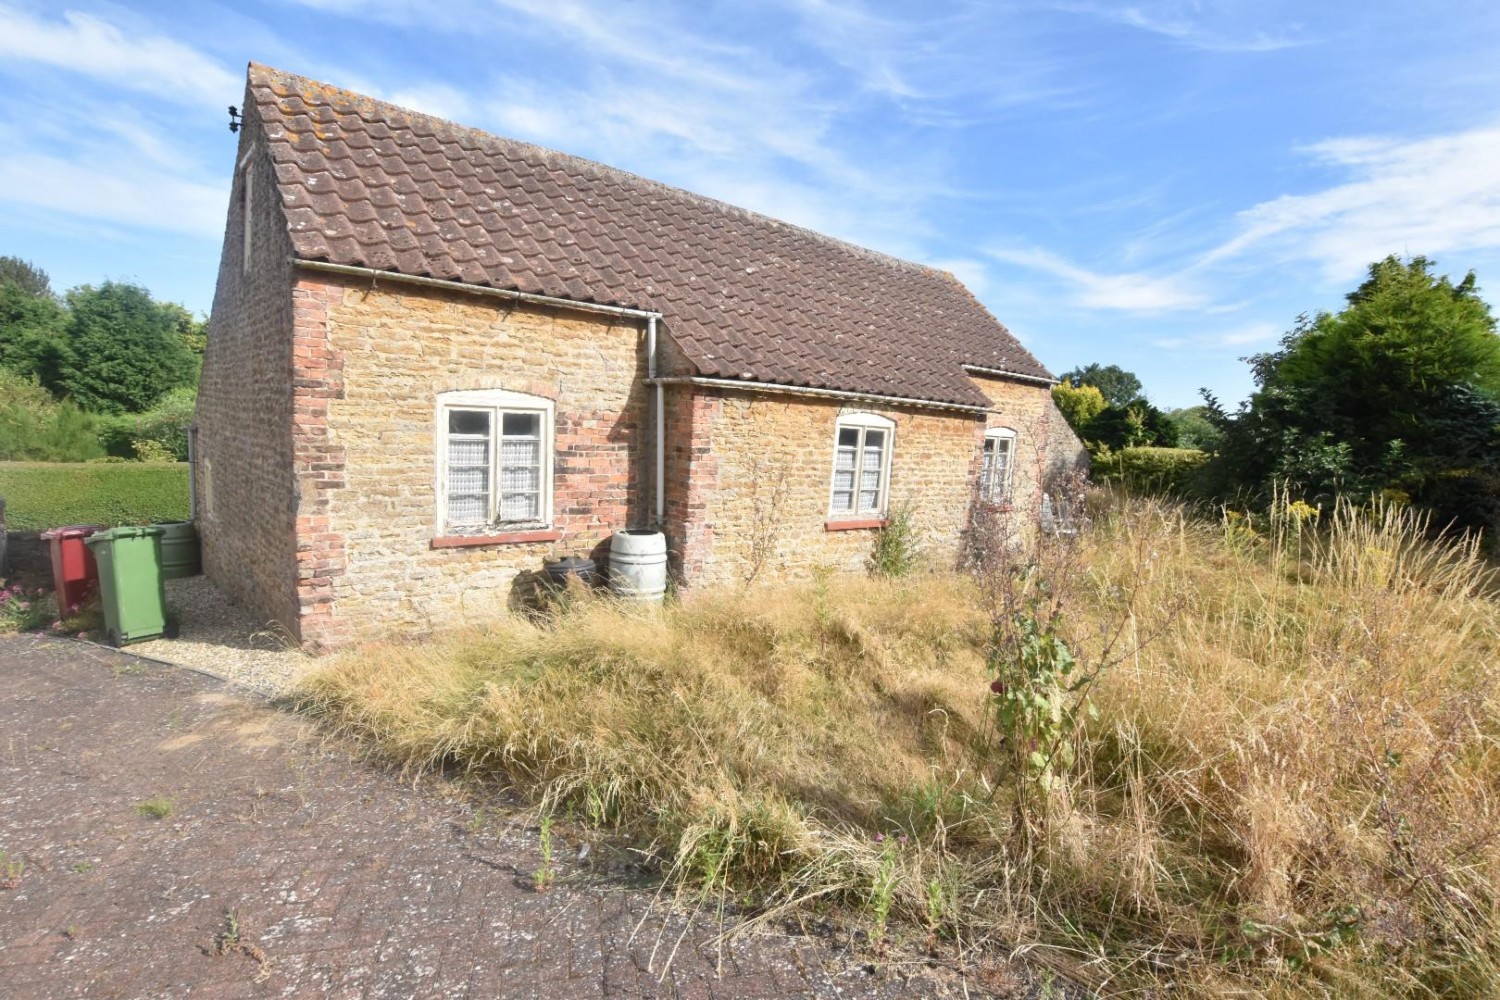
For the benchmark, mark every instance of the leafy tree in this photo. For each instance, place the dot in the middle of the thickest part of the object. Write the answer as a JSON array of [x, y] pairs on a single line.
[[1100, 421], [1118, 386], [1195, 429], [31, 332], [1398, 391], [124, 349], [26, 276], [1079, 404], [192, 330], [1138, 424]]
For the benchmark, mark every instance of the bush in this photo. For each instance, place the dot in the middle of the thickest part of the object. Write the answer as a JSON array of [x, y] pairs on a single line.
[[1170, 471], [41, 495], [166, 425], [161, 432], [35, 427], [895, 550]]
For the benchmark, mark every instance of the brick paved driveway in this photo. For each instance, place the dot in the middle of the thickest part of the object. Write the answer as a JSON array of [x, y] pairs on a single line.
[[336, 878]]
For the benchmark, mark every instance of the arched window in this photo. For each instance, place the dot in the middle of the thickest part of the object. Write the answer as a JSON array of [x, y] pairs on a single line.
[[861, 465], [995, 470], [494, 461]]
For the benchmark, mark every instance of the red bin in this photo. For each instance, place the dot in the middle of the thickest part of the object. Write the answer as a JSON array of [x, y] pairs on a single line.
[[75, 575]]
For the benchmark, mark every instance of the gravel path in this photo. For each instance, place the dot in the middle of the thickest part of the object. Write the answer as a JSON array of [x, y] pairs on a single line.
[[167, 838], [220, 638]]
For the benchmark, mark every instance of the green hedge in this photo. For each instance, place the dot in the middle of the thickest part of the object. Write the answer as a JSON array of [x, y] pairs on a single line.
[[40, 495], [1153, 470]]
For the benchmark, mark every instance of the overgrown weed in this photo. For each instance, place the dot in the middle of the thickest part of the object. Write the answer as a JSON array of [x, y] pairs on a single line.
[[1290, 787]]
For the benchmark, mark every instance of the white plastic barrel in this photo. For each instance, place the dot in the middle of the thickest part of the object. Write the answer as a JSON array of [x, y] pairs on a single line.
[[638, 564]]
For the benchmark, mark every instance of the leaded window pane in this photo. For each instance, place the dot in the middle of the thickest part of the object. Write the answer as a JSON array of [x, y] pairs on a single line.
[[858, 470], [519, 507], [469, 422], [520, 467], [522, 425], [468, 498], [520, 452], [467, 509]]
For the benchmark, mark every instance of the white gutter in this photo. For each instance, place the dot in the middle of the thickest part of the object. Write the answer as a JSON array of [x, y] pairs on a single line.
[[458, 286], [659, 493], [802, 390], [1005, 374]]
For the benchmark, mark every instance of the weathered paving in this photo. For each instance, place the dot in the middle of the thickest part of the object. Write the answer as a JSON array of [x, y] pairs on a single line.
[[286, 868]]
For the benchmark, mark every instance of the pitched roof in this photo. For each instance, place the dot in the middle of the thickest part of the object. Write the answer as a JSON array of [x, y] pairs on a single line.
[[369, 184]]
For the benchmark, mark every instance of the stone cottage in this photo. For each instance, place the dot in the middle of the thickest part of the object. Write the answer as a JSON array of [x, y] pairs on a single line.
[[438, 357]]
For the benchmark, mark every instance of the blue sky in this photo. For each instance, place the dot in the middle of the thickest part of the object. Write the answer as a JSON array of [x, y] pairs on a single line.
[[1159, 185]]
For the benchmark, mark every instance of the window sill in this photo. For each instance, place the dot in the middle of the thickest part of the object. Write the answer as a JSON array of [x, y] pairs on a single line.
[[999, 508], [501, 538], [854, 524]]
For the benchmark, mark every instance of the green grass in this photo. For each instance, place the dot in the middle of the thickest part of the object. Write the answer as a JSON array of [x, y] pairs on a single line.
[[157, 808], [42, 495]]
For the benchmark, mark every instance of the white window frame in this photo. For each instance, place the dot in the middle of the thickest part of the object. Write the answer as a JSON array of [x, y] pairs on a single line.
[[987, 490], [498, 402], [862, 422]]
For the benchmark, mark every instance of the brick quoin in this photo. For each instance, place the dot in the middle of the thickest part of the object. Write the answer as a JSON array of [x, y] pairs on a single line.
[[318, 464]]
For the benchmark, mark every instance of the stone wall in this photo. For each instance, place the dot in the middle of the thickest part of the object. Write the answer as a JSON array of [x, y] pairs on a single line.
[[243, 471], [750, 477], [24, 555], [1046, 446], [367, 464], [756, 501]]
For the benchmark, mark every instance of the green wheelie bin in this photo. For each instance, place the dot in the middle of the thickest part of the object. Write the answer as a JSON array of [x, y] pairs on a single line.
[[131, 586]]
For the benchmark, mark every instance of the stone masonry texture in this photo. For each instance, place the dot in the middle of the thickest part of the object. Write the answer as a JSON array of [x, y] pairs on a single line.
[[751, 476], [396, 351], [244, 467]]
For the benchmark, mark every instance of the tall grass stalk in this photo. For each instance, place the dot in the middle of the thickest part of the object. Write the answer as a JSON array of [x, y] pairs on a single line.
[[1291, 789]]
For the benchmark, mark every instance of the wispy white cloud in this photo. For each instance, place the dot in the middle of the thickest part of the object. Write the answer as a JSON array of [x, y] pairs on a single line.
[[1245, 336], [973, 273], [137, 59], [1429, 196], [1210, 27], [663, 97], [436, 99], [925, 59], [112, 192], [1127, 292]]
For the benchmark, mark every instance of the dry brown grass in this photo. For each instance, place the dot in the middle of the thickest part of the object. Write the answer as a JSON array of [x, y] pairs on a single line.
[[1289, 790]]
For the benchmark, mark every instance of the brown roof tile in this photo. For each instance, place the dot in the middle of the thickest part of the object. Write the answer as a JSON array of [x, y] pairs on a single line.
[[369, 184]]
